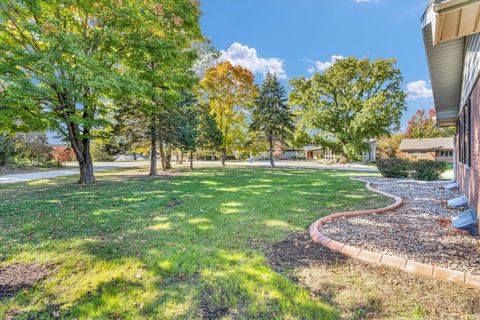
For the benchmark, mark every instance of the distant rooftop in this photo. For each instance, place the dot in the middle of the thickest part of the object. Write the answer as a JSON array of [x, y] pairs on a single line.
[[427, 144]]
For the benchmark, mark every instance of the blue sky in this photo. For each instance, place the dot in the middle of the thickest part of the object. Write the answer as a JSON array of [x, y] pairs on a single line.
[[294, 37]]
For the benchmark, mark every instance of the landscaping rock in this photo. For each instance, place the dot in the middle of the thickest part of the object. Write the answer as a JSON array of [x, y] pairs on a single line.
[[419, 230]]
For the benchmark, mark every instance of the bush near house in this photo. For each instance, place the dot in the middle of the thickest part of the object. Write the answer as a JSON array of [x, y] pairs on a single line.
[[394, 167], [427, 170]]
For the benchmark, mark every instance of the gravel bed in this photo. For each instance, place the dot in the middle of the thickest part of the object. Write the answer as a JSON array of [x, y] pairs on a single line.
[[419, 230]]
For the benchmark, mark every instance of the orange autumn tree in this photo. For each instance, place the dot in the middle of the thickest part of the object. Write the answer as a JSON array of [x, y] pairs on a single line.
[[229, 91], [423, 125]]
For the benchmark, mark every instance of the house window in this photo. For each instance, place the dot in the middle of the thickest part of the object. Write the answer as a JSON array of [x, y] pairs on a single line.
[[464, 139], [418, 153], [444, 154]]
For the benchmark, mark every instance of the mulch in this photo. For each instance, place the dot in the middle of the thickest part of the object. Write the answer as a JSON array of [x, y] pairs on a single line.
[[332, 277], [18, 276]]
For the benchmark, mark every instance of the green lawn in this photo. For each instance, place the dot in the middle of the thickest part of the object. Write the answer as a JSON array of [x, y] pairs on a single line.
[[189, 246]]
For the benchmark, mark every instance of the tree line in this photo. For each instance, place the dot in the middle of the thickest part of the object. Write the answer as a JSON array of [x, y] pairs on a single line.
[[139, 75]]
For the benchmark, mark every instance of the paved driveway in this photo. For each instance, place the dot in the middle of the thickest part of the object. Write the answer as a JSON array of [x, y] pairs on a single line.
[[99, 166], [305, 164]]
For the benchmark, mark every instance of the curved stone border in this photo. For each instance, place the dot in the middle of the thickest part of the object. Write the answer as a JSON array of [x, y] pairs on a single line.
[[371, 257]]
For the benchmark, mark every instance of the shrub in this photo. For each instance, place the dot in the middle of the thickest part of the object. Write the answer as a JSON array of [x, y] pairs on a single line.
[[394, 167], [32, 148], [63, 154], [100, 153], [428, 170], [6, 149]]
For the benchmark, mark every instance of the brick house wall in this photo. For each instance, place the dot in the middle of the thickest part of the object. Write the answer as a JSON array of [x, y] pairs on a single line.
[[468, 177], [416, 155], [446, 159], [427, 155]]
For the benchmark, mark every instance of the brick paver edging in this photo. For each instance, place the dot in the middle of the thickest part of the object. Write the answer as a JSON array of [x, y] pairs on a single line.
[[409, 266]]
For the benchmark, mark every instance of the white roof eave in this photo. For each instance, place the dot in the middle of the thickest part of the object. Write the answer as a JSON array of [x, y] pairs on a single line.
[[445, 64]]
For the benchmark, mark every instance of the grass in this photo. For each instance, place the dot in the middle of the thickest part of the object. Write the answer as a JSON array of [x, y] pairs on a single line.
[[188, 246]]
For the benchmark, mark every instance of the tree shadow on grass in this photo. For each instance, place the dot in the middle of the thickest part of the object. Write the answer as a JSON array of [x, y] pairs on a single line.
[[212, 237]]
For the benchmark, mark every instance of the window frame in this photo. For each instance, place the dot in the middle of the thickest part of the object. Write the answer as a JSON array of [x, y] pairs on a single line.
[[464, 135]]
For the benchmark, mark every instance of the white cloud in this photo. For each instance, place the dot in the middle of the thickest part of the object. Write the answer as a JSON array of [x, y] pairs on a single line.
[[419, 90], [364, 1], [321, 66], [246, 57]]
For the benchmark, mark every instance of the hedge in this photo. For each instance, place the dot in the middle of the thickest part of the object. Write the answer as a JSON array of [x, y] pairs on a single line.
[[426, 170]]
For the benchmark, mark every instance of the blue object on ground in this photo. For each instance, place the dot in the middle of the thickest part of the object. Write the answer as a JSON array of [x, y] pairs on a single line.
[[458, 202], [467, 220]]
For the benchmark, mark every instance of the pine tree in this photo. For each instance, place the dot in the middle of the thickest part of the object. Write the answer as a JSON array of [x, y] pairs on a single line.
[[271, 116]]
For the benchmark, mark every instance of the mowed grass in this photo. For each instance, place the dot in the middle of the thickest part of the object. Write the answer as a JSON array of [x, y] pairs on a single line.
[[185, 247]]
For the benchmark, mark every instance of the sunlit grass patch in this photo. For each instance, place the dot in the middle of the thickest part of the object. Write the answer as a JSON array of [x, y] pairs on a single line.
[[185, 247]]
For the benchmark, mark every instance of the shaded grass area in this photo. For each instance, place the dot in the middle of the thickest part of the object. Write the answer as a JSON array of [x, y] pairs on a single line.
[[184, 247], [364, 291]]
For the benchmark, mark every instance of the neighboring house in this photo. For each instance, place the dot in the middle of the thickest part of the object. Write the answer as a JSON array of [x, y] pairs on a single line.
[[371, 154], [438, 149], [282, 151], [131, 157], [452, 41], [319, 153]]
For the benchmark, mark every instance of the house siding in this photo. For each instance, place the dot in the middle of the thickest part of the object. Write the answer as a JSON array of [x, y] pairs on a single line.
[[471, 66], [426, 155], [468, 177]]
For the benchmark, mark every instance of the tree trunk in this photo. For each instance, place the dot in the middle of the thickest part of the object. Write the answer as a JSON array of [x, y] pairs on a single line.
[[224, 156], [168, 159], [81, 147], [181, 158], [153, 148], [86, 164], [162, 156], [270, 153], [191, 160], [344, 156], [134, 156], [86, 172]]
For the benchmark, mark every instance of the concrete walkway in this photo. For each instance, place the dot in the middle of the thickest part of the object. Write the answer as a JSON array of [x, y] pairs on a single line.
[[72, 168]]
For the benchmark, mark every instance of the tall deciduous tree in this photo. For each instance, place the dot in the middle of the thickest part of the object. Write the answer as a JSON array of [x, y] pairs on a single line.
[[353, 101], [229, 91], [65, 61], [389, 144], [423, 125], [271, 116], [164, 56]]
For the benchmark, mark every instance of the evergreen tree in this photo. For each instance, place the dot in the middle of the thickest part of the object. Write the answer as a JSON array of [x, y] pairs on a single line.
[[210, 137], [271, 116], [187, 125]]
